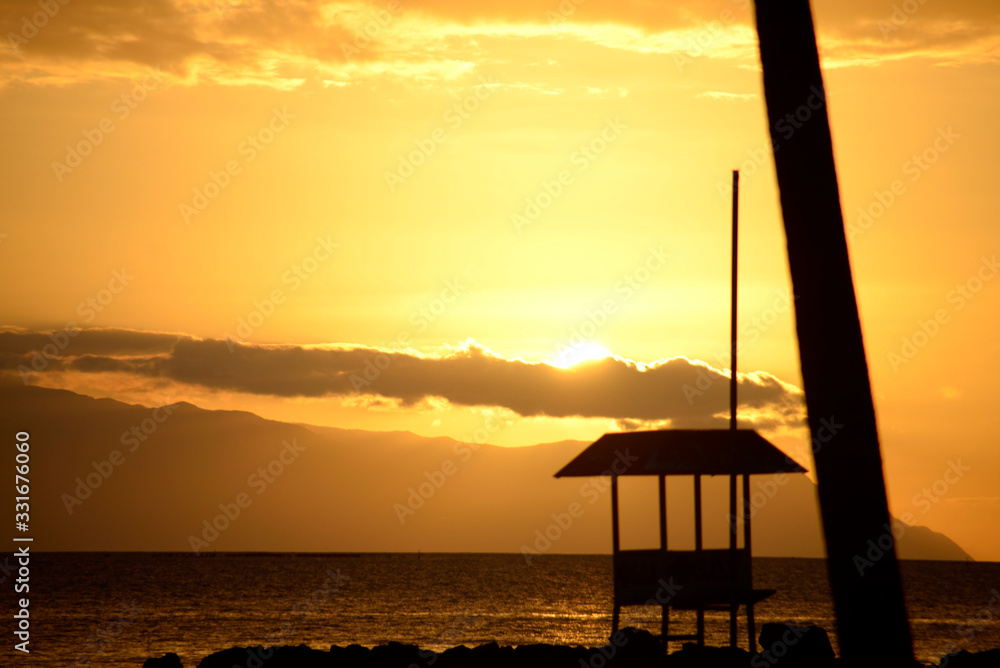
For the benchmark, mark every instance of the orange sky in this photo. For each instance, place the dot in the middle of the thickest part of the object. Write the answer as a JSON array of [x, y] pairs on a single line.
[[459, 191]]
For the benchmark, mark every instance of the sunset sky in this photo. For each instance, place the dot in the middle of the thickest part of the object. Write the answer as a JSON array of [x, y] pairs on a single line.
[[390, 215]]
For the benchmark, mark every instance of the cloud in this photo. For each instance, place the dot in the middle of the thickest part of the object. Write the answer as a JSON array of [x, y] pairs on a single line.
[[284, 44], [95, 341], [719, 96], [679, 390], [860, 33]]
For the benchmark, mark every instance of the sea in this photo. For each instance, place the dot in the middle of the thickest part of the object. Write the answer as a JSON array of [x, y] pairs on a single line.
[[118, 609]]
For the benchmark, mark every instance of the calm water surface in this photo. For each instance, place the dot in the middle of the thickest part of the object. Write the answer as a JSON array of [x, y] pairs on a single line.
[[118, 609]]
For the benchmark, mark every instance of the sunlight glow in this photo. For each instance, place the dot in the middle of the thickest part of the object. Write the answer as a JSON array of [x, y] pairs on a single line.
[[583, 352]]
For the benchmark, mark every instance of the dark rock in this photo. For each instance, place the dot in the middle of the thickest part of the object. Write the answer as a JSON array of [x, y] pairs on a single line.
[[489, 649], [454, 657], [507, 655], [352, 656], [790, 646], [988, 659], [170, 660], [486, 656], [234, 656], [636, 647], [395, 654], [302, 656], [542, 656], [695, 656]]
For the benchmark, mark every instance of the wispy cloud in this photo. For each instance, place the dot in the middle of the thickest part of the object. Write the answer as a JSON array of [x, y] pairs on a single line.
[[726, 97], [293, 42]]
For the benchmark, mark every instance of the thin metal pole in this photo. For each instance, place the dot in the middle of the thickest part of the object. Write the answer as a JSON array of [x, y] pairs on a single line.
[[733, 299], [663, 513], [734, 562], [733, 533], [751, 631], [614, 514], [616, 611], [733, 524], [700, 612], [665, 609], [697, 512], [732, 345], [746, 513]]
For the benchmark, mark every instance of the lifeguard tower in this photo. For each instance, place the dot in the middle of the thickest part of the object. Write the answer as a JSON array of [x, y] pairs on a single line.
[[700, 579]]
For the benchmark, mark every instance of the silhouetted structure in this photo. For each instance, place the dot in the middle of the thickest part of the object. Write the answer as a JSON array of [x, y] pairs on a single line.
[[700, 579], [714, 579], [871, 615]]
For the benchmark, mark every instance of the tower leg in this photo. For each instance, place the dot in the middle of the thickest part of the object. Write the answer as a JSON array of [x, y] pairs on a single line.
[[665, 627]]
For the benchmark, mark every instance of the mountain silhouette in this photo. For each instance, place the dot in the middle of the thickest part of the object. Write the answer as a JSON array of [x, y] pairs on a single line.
[[107, 475]]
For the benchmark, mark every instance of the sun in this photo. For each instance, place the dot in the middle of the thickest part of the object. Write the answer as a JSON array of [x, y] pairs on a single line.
[[582, 352]]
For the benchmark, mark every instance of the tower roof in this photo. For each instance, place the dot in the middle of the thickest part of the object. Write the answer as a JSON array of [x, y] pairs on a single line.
[[680, 452]]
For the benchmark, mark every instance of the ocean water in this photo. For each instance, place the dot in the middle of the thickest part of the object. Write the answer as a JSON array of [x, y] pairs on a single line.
[[117, 609]]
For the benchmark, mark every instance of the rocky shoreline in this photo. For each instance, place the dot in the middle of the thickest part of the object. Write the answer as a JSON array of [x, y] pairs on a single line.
[[784, 646]]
